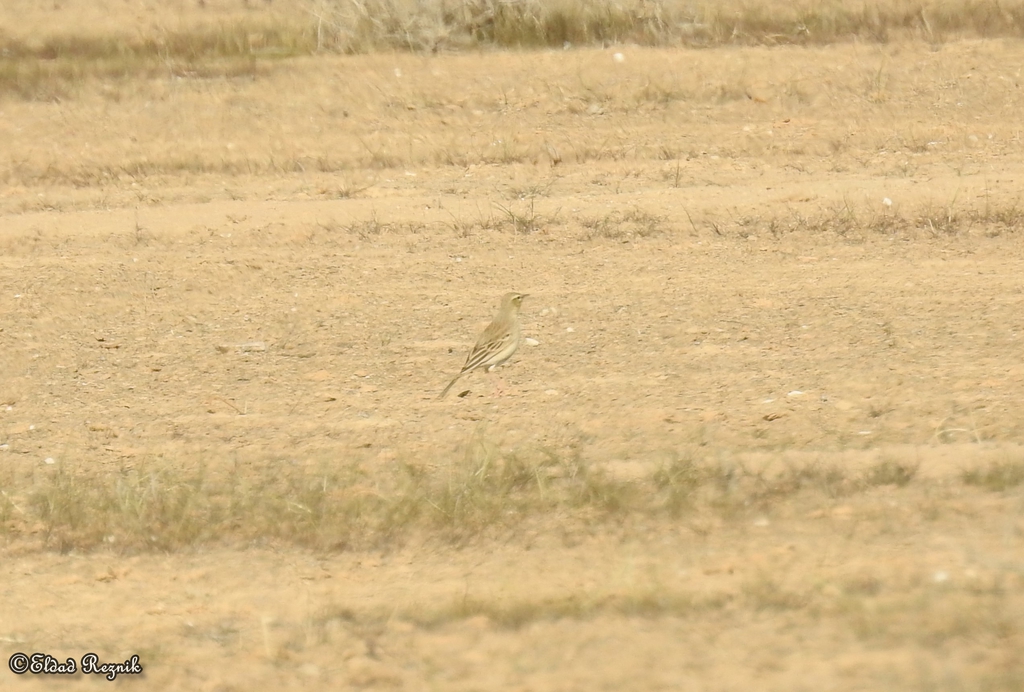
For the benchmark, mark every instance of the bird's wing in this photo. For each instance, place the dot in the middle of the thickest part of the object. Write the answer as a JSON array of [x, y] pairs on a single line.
[[491, 343]]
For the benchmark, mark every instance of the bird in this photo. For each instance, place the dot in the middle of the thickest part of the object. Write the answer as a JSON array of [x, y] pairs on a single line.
[[498, 341]]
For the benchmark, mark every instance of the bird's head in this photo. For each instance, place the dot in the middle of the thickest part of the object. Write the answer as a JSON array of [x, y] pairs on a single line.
[[512, 301]]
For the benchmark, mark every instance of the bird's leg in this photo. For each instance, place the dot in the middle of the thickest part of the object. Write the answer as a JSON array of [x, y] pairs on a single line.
[[499, 384]]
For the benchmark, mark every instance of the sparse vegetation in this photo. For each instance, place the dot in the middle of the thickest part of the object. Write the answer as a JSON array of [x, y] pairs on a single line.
[[521, 218], [48, 68], [997, 476], [624, 226], [765, 593], [643, 602], [889, 472], [852, 223], [875, 609], [373, 227], [340, 506], [359, 26]]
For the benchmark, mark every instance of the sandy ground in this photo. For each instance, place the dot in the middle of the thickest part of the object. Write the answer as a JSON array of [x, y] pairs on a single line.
[[288, 269]]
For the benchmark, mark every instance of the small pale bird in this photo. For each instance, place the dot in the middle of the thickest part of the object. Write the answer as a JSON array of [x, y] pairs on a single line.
[[498, 341]]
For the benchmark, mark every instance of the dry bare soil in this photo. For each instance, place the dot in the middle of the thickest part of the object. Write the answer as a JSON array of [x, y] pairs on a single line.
[[766, 435]]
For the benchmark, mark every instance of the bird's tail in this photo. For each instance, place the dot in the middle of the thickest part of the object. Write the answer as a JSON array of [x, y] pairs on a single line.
[[450, 385]]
